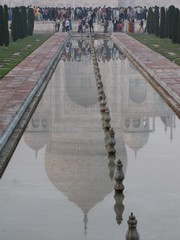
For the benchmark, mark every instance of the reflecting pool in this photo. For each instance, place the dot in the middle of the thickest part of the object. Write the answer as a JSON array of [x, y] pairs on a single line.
[[59, 183]]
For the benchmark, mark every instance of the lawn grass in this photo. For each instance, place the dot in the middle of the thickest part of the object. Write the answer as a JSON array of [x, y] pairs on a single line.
[[163, 46], [17, 51]]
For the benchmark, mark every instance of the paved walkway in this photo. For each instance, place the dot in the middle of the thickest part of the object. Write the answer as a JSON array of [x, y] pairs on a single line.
[[163, 74], [18, 86]]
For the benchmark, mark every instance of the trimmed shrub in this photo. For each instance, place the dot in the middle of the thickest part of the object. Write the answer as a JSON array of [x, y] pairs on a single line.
[[175, 26], [1, 25], [150, 21], [178, 27], [19, 24], [14, 24], [156, 21], [24, 21], [6, 27], [166, 30], [162, 23], [30, 21], [170, 20]]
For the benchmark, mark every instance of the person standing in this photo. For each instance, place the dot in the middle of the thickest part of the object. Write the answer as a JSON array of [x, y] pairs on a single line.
[[106, 24], [90, 22], [79, 26], [114, 21], [141, 24], [57, 25], [67, 25], [63, 25]]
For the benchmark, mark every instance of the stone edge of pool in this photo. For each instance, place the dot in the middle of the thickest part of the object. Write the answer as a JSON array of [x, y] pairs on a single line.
[[19, 118], [161, 73]]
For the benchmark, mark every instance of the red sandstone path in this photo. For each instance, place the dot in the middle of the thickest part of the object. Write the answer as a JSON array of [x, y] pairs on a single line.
[[165, 73], [18, 85]]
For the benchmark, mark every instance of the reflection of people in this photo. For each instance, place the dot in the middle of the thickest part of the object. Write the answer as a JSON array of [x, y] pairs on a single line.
[[103, 52]]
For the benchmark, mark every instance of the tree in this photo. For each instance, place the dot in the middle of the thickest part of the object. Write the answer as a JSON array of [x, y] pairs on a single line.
[[19, 23], [178, 27], [166, 31], [170, 20], [14, 24], [175, 26], [162, 23], [156, 21], [24, 21], [6, 27], [30, 20], [1, 26], [150, 21]]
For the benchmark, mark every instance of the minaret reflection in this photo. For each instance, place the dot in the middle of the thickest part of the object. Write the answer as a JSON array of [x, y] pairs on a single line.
[[36, 135], [140, 107]]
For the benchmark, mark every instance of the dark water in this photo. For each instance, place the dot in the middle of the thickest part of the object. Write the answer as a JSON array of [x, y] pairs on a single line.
[[59, 183]]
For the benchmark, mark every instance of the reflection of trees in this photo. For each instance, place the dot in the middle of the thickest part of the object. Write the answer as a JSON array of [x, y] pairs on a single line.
[[74, 51]]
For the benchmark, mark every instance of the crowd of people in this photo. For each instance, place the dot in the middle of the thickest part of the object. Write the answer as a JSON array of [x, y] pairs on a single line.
[[121, 13], [86, 17]]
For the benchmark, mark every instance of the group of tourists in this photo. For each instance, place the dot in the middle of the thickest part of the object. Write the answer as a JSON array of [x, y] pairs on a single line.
[[86, 17], [106, 16], [121, 13], [131, 26], [66, 25], [86, 22]]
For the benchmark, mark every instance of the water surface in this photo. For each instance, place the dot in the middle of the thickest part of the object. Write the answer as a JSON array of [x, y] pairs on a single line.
[[59, 183]]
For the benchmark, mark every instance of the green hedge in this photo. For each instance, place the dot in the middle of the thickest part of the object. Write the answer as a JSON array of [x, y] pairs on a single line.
[[167, 25], [22, 24]]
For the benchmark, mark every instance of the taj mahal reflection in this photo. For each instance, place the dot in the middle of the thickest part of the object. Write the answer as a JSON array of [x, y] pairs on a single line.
[[67, 122]]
